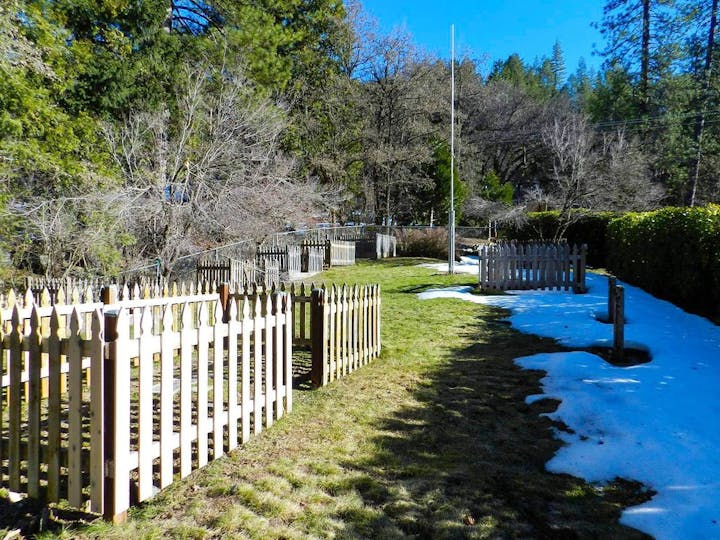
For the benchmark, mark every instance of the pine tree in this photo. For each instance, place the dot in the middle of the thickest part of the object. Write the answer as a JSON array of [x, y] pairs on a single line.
[[641, 35], [557, 63]]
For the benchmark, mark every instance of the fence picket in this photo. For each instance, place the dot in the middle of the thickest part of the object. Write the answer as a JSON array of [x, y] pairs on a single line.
[[120, 359], [167, 353], [377, 300], [145, 406], [15, 404], [34, 397], [247, 328], [218, 409], [97, 406], [75, 415], [332, 334], [203, 337], [275, 362], [186, 426], [54, 395], [263, 333], [288, 356], [269, 339], [233, 409]]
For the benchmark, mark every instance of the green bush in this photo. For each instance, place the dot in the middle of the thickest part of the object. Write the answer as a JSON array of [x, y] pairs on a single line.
[[423, 243], [673, 253], [537, 226], [586, 227]]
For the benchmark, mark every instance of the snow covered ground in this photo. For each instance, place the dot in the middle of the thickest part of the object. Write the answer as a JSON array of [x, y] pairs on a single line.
[[658, 423]]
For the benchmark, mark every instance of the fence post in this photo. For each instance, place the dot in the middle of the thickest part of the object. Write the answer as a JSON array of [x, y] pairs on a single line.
[[612, 284], [304, 258], [580, 270], [619, 325], [224, 294], [97, 406], [109, 296], [318, 331]]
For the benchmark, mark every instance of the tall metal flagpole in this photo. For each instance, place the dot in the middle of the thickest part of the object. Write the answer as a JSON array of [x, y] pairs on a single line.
[[451, 215]]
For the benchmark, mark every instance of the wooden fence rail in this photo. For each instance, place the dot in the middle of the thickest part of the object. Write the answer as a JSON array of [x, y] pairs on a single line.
[[532, 266]]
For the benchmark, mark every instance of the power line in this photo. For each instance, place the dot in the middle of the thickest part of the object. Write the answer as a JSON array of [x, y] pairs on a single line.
[[657, 119]]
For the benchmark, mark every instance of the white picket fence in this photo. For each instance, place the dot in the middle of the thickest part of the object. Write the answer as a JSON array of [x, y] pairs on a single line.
[[313, 258], [345, 333], [342, 253], [103, 399], [385, 246], [532, 266]]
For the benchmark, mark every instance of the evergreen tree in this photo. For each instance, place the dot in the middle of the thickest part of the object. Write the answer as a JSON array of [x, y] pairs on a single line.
[[642, 36], [579, 85], [439, 172], [557, 63]]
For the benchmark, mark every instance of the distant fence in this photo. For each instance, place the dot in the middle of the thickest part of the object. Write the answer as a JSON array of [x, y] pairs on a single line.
[[239, 274], [342, 253], [107, 402], [286, 258], [369, 244], [385, 246], [227, 271], [532, 266], [312, 257]]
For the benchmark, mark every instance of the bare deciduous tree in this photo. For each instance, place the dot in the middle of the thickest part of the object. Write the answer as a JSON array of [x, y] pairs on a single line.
[[403, 93], [71, 235], [593, 172], [215, 173]]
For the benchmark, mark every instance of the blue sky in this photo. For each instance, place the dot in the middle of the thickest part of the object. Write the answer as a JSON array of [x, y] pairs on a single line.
[[493, 29]]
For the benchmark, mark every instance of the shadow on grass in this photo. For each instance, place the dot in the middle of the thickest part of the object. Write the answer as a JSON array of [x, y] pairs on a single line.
[[398, 262], [468, 460]]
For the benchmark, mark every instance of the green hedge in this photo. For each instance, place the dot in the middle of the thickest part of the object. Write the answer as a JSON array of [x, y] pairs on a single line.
[[673, 253], [587, 227]]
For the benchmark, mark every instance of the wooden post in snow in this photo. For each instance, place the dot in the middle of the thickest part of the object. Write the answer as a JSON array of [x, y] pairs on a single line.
[[612, 285], [619, 324]]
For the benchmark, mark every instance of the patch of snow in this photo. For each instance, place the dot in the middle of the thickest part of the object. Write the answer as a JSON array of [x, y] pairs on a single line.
[[466, 265], [656, 423]]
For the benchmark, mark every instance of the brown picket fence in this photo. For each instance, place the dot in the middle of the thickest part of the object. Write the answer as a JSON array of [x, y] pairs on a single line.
[[508, 266]]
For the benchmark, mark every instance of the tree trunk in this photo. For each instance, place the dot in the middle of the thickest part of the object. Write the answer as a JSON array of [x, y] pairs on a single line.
[[700, 118], [645, 57]]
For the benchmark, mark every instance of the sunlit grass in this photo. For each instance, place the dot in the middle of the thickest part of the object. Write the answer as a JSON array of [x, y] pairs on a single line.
[[431, 440]]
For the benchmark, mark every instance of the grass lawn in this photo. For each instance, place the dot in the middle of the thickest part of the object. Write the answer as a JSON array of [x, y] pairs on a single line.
[[432, 440]]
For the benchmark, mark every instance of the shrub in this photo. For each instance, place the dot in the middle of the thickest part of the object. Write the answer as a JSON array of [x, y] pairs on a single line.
[[423, 243], [673, 253], [587, 227]]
